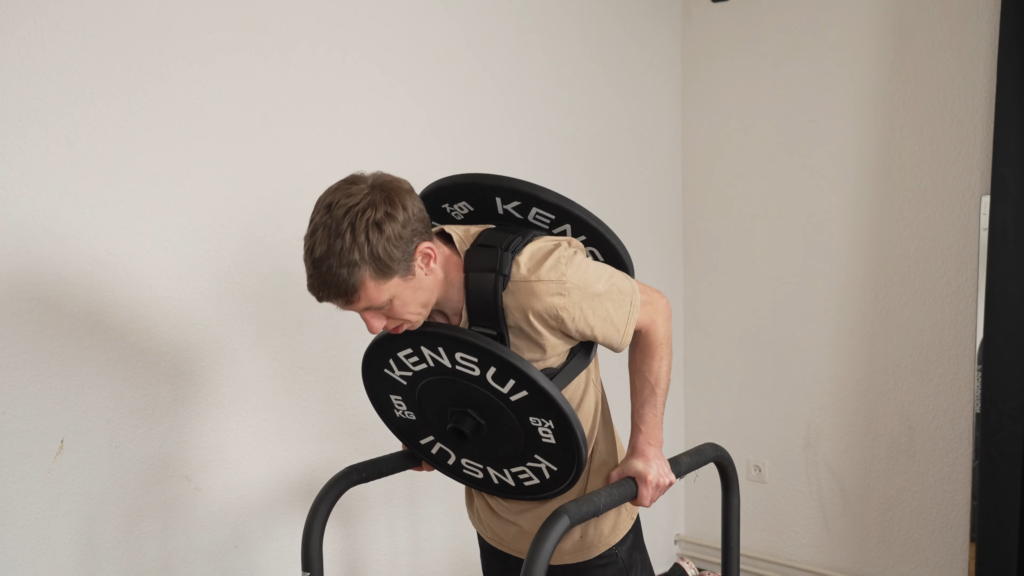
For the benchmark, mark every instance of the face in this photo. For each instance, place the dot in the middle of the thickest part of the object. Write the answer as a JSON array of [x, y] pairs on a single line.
[[398, 304], [395, 306]]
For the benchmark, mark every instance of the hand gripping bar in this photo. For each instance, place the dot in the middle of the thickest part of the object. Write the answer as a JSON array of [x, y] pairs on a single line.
[[578, 511]]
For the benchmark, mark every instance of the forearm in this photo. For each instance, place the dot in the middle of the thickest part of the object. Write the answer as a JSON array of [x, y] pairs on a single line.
[[650, 368]]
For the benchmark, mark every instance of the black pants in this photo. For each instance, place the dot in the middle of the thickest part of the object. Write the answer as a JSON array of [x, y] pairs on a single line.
[[628, 557]]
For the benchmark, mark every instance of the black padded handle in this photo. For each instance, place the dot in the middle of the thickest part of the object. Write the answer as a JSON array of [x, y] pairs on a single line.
[[320, 511], [578, 511]]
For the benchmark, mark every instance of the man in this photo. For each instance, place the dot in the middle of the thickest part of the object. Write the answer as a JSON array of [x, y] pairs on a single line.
[[370, 249]]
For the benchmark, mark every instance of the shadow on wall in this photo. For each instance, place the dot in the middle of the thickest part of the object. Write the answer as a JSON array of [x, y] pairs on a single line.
[[914, 355], [893, 443], [116, 426], [841, 265], [113, 394], [295, 389]]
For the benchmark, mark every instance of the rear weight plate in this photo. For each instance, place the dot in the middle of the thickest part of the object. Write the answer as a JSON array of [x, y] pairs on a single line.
[[504, 201], [476, 411]]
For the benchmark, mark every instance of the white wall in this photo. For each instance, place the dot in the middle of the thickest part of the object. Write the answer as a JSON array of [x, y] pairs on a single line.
[[834, 155], [158, 163]]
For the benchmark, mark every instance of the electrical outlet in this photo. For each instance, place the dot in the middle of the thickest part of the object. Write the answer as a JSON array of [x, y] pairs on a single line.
[[757, 470]]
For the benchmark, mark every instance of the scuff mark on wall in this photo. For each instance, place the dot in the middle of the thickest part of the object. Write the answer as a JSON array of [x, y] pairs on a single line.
[[59, 450]]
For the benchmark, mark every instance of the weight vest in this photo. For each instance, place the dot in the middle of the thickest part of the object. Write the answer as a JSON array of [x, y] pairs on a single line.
[[462, 400]]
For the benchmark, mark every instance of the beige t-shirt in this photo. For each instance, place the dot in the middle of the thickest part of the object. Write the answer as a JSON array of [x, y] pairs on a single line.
[[557, 297]]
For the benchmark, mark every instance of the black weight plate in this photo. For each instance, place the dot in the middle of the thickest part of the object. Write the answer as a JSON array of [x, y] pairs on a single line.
[[501, 200], [476, 411]]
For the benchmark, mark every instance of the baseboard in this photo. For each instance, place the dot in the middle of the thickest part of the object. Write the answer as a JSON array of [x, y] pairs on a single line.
[[708, 555]]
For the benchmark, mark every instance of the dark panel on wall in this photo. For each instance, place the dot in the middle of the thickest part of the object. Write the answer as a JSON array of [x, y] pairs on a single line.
[[1002, 398]]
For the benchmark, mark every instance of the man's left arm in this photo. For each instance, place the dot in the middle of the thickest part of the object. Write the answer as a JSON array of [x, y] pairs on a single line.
[[650, 367]]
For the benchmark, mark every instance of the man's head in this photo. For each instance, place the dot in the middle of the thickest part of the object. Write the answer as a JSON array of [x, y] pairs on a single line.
[[369, 248]]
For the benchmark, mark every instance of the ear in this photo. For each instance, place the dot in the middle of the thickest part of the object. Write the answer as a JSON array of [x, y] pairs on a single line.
[[426, 257]]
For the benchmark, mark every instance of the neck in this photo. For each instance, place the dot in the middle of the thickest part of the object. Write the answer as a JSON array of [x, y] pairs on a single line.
[[450, 301]]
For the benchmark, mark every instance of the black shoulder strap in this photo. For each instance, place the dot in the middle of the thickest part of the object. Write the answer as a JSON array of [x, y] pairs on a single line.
[[487, 268], [580, 356]]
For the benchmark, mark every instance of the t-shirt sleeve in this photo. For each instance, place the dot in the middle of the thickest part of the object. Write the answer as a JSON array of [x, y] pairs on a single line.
[[600, 303]]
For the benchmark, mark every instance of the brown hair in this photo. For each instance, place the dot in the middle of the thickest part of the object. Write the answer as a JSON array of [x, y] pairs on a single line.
[[364, 225]]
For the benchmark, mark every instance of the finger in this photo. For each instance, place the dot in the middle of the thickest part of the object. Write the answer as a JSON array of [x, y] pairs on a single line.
[[644, 490], [658, 495], [661, 485], [664, 485], [667, 482], [423, 465]]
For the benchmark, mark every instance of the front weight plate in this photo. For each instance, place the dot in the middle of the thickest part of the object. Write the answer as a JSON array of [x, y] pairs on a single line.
[[475, 411]]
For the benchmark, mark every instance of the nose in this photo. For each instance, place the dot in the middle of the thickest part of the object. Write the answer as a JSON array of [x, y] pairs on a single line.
[[375, 321]]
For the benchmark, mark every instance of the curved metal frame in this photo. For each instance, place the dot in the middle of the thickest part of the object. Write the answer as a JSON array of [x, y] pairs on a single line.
[[563, 519], [327, 498]]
